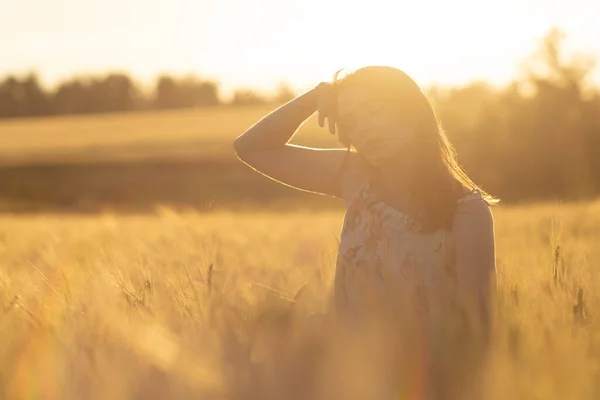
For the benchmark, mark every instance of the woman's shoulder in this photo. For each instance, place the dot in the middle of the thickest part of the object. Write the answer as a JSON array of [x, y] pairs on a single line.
[[473, 208]]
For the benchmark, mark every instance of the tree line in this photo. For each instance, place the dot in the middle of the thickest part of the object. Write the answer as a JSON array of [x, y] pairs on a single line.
[[25, 97], [537, 137]]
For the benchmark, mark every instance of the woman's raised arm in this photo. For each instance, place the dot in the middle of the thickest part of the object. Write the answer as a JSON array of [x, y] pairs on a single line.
[[265, 148]]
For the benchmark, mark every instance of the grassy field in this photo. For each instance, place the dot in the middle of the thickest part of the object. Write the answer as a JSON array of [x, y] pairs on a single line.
[[134, 162], [200, 133], [188, 305], [145, 297]]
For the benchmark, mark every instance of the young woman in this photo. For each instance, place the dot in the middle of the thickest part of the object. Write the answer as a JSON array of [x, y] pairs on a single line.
[[417, 230]]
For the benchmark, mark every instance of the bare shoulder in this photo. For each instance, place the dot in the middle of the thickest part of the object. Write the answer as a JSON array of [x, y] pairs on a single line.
[[473, 212], [474, 241]]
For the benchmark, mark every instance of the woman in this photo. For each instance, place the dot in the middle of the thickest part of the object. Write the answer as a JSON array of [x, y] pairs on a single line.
[[417, 230]]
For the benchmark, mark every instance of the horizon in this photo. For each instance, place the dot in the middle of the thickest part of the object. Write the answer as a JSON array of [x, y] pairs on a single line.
[[260, 45]]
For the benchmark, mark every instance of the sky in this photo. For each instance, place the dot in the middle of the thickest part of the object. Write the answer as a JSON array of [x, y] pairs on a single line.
[[260, 43]]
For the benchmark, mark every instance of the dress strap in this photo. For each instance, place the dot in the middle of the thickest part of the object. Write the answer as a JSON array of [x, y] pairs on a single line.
[[474, 194]]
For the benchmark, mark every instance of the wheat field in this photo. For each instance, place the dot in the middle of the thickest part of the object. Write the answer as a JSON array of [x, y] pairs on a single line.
[[233, 305], [204, 132], [190, 305]]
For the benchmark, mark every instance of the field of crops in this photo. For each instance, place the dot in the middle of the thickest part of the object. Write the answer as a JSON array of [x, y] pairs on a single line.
[[204, 133], [223, 304], [183, 305], [133, 162]]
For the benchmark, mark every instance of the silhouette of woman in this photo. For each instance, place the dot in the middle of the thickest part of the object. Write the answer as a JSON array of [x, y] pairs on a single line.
[[417, 230]]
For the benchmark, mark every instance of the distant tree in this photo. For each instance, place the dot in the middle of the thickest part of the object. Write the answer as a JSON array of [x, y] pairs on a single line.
[[246, 97], [184, 92], [564, 129], [111, 93], [115, 92], [11, 96], [549, 64], [36, 100], [72, 97], [284, 93], [23, 97], [537, 137], [199, 93], [167, 93]]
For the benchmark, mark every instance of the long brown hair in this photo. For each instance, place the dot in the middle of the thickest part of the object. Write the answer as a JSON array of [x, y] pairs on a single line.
[[436, 177]]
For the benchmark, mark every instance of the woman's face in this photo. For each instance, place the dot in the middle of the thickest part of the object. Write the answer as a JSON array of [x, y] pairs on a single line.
[[371, 126]]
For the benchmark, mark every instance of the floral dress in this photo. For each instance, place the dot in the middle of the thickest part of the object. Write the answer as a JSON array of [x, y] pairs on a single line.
[[382, 254]]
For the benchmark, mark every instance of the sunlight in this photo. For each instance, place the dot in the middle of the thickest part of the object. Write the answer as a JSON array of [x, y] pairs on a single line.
[[432, 41], [264, 42]]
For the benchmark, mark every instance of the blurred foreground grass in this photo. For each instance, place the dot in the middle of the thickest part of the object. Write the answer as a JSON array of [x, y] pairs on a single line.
[[188, 305]]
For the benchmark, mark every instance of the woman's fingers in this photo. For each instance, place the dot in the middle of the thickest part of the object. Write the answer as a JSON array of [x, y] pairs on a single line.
[[321, 110], [324, 106], [331, 125]]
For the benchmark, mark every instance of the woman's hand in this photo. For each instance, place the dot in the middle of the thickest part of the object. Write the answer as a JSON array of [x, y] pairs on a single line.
[[265, 145], [327, 105]]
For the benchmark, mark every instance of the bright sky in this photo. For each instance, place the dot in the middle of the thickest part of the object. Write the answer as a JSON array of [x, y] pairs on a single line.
[[258, 43]]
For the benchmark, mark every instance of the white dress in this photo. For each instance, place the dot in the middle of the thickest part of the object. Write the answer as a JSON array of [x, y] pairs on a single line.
[[382, 253]]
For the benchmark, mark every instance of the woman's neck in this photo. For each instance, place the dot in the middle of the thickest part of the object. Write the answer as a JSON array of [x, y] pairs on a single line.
[[393, 189]]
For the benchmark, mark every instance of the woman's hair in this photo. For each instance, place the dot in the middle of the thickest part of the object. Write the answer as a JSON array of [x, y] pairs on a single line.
[[436, 171]]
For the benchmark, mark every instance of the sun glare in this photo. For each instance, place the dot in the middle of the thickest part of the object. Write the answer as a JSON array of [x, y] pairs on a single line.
[[432, 41], [261, 43]]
